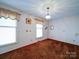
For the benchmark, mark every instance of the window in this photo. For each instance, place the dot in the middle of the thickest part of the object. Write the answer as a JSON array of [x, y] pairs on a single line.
[[7, 31], [39, 30]]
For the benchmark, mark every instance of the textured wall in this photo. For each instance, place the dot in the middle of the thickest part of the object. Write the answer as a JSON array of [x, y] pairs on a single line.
[[65, 29], [46, 49]]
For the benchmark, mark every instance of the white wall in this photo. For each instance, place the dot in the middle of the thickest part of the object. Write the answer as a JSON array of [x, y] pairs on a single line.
[[65, 29], [23, 38]]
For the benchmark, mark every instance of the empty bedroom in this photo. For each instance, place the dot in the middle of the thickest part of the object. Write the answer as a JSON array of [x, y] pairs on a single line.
[[39, 29]]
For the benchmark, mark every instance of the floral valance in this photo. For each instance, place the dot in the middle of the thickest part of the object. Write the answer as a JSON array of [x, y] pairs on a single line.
[[8, 13]]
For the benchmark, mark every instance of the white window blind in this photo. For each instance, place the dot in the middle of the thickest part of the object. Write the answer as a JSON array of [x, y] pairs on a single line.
[[7, 31], [39, 30]]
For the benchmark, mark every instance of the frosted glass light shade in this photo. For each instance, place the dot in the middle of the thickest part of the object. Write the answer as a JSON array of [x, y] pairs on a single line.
[[47, 16]]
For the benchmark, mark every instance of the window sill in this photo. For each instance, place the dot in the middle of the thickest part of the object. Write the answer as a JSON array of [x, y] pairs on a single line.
[[8, 44]]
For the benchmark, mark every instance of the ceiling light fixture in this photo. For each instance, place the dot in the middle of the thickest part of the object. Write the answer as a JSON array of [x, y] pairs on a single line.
[[48, 14]]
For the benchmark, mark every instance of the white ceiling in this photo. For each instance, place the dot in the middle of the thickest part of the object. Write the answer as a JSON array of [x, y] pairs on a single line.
[[58, 8]]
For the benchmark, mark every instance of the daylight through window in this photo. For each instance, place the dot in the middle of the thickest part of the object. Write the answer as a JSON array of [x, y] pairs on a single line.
[[7, 31], [39, 30]]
